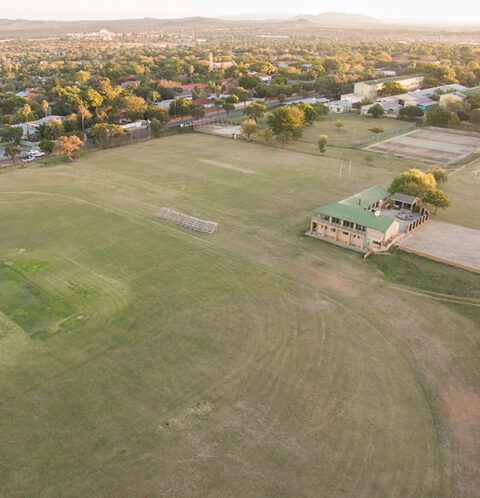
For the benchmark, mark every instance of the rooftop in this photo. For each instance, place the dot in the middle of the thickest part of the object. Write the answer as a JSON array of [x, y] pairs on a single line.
[[352, 208], [409, 199], [393, 78]]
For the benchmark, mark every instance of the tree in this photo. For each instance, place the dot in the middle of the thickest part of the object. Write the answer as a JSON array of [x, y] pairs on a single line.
[[249, 81], [107, 134], [255, 110], [266, 134], [438, 173], [437, 198], [249, 126], [67, 146], [376, 111], [309, 113], [441, 117], [339, 124], [322, 142], [53, 129], [47, 146], [197, 111], [45, 107], [391, 88], [25, 112], [228, 107], [84, 113], [134, 106], [411, 112], [413, 182], [320, 109], [11, 134], [156, 127], [94, 99], [11, 151], [286, 123]]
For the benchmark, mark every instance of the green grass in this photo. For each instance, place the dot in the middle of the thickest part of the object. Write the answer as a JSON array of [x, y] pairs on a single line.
[[254, 362], [356, 128]]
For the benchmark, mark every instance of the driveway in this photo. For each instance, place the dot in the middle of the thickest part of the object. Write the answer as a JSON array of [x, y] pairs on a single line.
[[445, 242]]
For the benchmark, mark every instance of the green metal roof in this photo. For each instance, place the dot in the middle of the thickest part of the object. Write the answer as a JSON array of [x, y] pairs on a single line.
[[469, 92], [356, 215], [366, 197], [393, 78], [350, 209]]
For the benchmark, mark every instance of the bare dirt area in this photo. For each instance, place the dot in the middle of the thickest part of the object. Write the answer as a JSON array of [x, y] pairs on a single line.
[[445, 242], [431, 146]]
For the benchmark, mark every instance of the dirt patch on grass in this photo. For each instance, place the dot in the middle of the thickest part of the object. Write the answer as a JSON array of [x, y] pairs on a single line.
[[462, 409], [322, 277], [228, 166]]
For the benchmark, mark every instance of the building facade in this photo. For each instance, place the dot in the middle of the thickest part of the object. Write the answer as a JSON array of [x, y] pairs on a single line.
[[370, 88], [356, 221]]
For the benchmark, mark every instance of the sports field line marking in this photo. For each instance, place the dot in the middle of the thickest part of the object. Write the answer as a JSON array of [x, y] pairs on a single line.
[[228, 166]]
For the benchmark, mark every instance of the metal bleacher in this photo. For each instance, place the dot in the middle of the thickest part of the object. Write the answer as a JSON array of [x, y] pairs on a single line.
[[187, 221]]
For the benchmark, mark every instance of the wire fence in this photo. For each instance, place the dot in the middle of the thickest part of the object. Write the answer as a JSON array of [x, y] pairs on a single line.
[[367, 140]]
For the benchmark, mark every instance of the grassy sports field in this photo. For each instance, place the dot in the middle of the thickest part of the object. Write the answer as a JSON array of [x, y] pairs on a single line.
[[138, 358], [356, 127]]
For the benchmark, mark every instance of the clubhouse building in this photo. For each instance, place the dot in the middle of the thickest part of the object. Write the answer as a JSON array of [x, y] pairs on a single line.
[[370, 220]]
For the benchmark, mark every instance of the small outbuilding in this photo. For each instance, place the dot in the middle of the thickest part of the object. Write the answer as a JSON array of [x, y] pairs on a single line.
[[402, 201]]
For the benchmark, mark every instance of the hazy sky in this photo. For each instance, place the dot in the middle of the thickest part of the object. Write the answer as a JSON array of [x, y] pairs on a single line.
[[427, 10]]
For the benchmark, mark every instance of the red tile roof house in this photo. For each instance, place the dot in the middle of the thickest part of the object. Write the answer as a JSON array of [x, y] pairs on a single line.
[[203, 102], [130, 83], [191, 86], [229, 83]]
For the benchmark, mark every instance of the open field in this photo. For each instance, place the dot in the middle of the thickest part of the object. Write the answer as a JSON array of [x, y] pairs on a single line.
[[138, 358], [431, 146], [356, 128]]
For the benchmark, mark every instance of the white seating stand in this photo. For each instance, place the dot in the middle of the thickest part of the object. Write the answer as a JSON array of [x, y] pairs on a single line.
[[188, 221]]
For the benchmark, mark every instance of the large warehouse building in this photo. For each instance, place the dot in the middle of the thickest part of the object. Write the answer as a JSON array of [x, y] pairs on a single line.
[[370, 88]]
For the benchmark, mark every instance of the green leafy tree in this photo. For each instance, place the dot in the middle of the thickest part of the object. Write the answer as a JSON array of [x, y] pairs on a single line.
[[45, 107], [134, 106], [228, 107], [391, 88], [437, 198], [53, 129], [339, 124], [84, 114], [94, 99], [411, 112], [11, 151], [320, 109], [256, 110], [249, 126], [441, 117], [47, 146], [11, 134], [266, 134], [376, 111], [286, 123], [157, 127], [25, 113], [322, 142], [438, 173], [309, 113], [197, 111]]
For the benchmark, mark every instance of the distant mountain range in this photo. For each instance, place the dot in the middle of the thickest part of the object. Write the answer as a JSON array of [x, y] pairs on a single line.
[[23, 28], [338, 19], [326, 18]]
